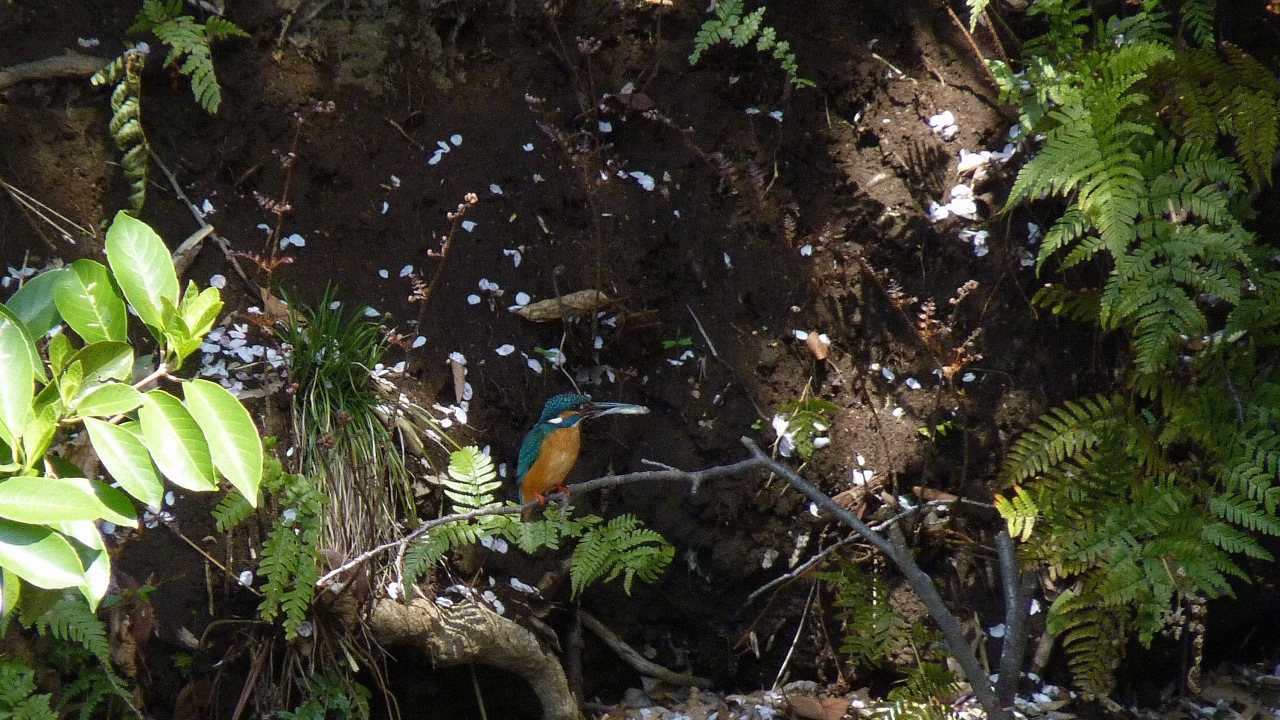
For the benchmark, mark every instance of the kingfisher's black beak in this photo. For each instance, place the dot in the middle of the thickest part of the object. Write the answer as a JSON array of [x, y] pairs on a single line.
[[599, 409]]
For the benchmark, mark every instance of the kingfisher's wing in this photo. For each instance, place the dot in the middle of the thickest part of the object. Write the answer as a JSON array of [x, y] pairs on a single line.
[[530, 447]]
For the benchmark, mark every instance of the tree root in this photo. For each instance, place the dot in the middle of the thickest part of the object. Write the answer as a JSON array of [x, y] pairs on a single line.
[[469, 632]]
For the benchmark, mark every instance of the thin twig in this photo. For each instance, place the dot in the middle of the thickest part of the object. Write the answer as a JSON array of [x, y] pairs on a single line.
[[897, 551], [222, 242], [777, 680], [694, 478], [636, 660], [710, 345]]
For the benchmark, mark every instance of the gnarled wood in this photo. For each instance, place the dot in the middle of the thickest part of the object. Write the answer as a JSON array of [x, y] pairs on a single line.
[[472, 633]]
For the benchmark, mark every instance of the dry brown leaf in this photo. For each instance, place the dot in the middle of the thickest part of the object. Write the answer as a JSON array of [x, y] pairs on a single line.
[[582, 302], [930, 494], [812, 708], [819, 348], [273, 307], [459, 380]]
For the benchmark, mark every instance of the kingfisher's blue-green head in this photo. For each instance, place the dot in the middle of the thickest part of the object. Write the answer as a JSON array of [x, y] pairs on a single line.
[[568, 409]]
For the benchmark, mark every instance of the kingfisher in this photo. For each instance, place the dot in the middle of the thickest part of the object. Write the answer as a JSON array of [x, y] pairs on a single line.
[[551, 448]]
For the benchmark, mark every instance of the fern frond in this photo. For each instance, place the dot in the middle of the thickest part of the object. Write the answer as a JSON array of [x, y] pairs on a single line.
[[125, 72], [18, 697], [1062, 433], [232, 510], [1197, 18], [472, 482], [619, 547]]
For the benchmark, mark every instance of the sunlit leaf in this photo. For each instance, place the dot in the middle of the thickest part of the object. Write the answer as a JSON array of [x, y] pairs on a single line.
[[93, 555], [17, 379], [89, 302], [126, 458], [44, 500], [142, 266], [39, 555], [107, 400], [34, 302], [178, 446], [232, 436]]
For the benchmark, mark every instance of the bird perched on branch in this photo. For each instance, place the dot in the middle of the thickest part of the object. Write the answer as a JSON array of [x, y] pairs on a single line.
[[551, 448]]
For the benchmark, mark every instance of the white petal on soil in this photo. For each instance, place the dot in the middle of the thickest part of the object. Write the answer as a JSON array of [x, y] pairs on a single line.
[[246, 578], [912, 383], [371, 312], [419, 342], [456, 139], [468, 225], [776, 115], [888, 374], [505, 350], [968, 377], [522, 298], [806, 250], [218, 281], [605, 126], [527, 147], [384, 273], [534, 365], [473, 299], [335, 304], [406, 271], [495, 188], [898, 413], [435, 159], [385, 207]]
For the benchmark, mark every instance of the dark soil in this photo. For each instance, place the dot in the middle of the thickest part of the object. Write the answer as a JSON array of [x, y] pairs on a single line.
[[754, 228]]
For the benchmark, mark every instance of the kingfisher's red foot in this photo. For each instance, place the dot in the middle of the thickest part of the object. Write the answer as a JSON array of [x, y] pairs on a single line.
[[563, 489], [542, 499]]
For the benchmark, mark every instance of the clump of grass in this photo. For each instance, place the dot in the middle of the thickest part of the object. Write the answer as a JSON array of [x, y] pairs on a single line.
[[338, 420]]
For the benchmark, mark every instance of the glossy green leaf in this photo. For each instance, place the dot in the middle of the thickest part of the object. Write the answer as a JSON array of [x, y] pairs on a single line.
[[107, 400], [10, 595], [34, 302], [233, 438], [44, 500], [105, 361], [142, 266], [32, 355], [38, 434], [90, 304], [93, 556], [126, 458], [59, 350], [17, 379], [39, 555], [70, 382], [178, 446]]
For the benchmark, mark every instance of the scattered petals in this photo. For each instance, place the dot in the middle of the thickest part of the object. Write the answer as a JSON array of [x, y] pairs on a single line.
[[218, 281], [473, 299], [456, 139], [419, 342], [515, 255], [505, 350], [294, 239], [406, 271], [495, 188], [534, 365], [371, 312], [468, 225], [527, 147], [384, 274]]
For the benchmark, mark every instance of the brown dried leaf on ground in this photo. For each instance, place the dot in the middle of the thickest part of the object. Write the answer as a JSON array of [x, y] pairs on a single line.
[[582, 302]]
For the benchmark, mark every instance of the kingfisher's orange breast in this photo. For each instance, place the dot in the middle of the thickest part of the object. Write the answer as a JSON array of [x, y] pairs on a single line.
[[556, 458]]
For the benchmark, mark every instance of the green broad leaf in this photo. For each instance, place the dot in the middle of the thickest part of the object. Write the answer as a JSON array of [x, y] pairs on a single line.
[[105, 361], [10, 595], [199, 309], [17, 379], [45, 500], [232, 436], [94, 557], [38, 434], [90, 304], [178, 446], [70, 382], [59, 350], [32, 355], [142, 266], [34, 303], [126, 458], [39, 555], [106, 400]]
